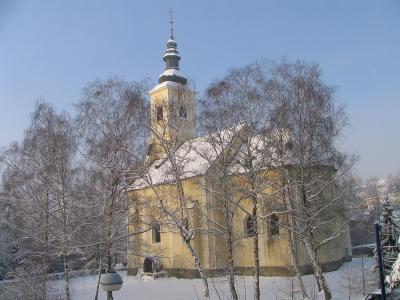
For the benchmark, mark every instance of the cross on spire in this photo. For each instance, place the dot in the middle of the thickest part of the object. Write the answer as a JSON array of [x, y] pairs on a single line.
[[171, 58], [171, 21]]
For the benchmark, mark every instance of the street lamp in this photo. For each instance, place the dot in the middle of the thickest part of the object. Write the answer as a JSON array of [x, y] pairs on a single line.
[[110, 282]]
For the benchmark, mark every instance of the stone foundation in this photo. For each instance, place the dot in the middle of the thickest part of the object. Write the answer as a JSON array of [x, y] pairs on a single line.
[[247, 271], [132, 271]]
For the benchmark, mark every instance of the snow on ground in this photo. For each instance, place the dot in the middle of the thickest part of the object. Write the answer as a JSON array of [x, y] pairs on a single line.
[[347, 280]]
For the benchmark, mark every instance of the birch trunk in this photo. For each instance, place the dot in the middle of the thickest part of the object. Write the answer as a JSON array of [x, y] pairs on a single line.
[[46, 245], [229, 241], [312, 252], [199, 267], [66, 272], [65, 244], [319, 275], [231, 270], [256, 256], [291, 223], [295, 262], [182, 233]]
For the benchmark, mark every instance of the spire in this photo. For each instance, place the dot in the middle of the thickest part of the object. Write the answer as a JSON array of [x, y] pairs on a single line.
[[171, 21], [172, 58]]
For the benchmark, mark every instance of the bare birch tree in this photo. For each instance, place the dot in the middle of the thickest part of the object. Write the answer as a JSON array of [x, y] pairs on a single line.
[[38, 187], [242, 99], [305, 108], [111, 121], [234, 109], [174, 214]]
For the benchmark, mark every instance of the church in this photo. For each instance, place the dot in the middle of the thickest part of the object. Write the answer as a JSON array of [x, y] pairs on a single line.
[[169, 194]]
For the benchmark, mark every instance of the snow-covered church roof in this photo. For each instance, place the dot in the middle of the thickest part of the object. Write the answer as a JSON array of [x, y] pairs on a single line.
[[195, 157]]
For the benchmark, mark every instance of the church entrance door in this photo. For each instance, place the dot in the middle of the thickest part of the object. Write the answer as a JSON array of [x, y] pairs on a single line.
[[148, 265]]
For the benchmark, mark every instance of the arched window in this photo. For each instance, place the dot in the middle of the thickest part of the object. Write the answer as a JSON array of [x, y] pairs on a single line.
[[156, 233], [274, 225], [249, 225], [159, 113], [182, 112]]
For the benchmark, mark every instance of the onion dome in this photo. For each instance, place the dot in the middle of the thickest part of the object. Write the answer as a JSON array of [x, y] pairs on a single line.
[[172, 58]]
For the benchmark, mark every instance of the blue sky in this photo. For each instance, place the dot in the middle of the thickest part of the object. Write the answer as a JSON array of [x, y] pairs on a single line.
[[51, 49]]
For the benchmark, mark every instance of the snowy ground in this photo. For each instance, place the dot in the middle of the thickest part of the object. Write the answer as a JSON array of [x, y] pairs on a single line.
[[343, 282]]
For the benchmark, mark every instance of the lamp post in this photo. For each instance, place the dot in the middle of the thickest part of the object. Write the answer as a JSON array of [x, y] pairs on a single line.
[[111, 281]]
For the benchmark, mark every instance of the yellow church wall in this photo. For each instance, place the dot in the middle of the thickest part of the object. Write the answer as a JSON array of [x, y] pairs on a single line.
[[172, 128], [173, 251], [273, 250], [217, 253], [333, 250], [159, 97], [182, 129], [331, 254]]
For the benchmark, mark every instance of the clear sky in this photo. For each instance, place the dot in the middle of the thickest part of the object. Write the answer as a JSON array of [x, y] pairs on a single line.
[[51, 49]]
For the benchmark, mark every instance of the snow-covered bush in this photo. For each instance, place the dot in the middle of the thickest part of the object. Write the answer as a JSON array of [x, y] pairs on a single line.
[[394, 278]]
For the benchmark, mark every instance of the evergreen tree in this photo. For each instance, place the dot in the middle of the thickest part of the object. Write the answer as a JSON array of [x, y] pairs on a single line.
[[390, 231], [394, 278]]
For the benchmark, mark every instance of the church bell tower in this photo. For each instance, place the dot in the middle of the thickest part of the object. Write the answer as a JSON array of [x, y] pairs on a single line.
[[173, 106]]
